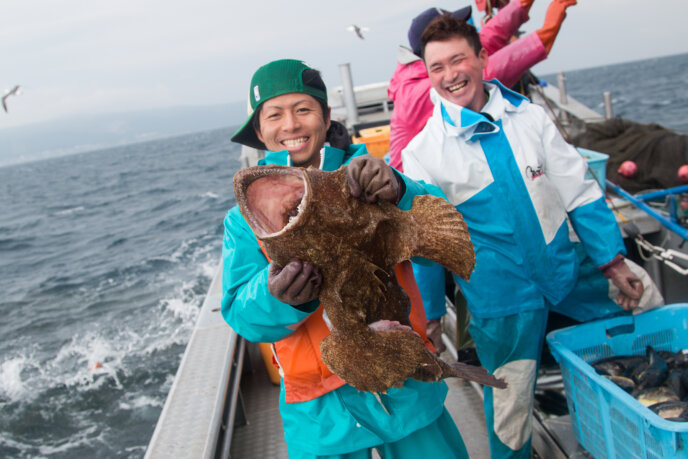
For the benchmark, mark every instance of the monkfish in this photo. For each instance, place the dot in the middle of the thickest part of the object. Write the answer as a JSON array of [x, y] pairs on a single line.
[[310, 215]]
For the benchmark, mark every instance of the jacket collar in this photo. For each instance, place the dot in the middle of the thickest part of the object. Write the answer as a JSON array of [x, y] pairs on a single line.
[[406, 56], [461, 121], [330, 158]]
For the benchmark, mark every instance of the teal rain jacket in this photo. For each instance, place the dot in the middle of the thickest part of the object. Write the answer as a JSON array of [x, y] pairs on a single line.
[[345, 419]]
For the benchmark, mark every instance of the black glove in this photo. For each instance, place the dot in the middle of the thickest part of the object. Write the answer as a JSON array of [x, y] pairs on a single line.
[[338, 136]]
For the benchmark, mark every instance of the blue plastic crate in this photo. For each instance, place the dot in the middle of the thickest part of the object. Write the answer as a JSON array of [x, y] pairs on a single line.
[[597, 165], [607, 421]]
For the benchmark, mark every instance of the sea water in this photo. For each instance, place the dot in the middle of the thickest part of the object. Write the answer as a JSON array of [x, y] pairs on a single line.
[[105, 258], [648, 91], [104, 261]]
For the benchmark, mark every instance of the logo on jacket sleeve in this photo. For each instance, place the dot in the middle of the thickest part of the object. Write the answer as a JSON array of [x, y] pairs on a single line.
[[534, 172]]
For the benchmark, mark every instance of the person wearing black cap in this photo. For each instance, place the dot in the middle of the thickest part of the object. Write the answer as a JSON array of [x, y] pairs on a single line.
[[508, 61], [504, 165], [322, 416]]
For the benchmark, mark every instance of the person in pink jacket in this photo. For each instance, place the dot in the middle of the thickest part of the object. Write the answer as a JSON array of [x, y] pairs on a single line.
[[409, 86]]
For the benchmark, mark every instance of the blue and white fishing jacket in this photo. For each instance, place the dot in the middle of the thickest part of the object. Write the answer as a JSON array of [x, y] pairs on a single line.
[[516, 182]]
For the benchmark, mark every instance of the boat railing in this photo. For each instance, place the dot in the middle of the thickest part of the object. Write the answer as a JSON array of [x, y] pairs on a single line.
[[203, 399]]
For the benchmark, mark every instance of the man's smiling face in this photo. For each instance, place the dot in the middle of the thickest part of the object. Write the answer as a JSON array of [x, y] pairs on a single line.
[[456, 72], [294, 122]]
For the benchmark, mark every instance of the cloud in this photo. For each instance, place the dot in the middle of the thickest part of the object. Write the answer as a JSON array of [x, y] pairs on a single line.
[[77, 56]]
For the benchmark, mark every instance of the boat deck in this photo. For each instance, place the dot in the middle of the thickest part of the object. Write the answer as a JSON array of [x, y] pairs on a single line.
[[262, 435]]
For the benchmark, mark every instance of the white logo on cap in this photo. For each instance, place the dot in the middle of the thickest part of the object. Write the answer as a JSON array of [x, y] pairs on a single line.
[[256, 93]]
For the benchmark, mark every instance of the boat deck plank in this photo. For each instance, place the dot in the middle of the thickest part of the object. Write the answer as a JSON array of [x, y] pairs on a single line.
[[262, 436], [466, 408]]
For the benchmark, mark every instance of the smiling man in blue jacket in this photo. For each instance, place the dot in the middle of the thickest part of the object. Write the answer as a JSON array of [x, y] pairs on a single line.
[[322, 415], [502, 163]]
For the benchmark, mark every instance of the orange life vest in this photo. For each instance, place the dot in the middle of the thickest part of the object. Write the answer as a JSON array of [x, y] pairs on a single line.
[[305, 375]]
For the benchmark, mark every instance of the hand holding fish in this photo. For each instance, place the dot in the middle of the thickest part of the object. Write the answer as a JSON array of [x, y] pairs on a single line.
[[629, 285], [372, 180], [295, 283]]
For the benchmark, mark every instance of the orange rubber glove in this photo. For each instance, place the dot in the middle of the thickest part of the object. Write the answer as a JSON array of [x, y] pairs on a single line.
[[556, 12]]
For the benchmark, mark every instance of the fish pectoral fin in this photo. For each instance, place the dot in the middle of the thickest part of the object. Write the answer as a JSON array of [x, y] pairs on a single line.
[[442, 235]]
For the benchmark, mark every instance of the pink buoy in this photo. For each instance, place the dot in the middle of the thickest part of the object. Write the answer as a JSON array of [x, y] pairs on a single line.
[[628, 169], [683, 173]]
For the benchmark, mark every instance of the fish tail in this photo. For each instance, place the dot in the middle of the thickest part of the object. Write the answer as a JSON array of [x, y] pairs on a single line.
[[474, 373], [442, 235]]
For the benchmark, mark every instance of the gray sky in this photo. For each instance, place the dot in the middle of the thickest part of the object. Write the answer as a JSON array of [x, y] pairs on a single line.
[[95, 56]]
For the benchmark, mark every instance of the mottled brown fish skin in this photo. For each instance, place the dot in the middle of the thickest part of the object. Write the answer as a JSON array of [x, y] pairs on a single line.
[[356, 246]]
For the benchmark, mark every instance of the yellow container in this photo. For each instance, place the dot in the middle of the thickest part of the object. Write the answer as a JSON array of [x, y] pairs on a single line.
[[273, 372], [373, 131], [376, 140]]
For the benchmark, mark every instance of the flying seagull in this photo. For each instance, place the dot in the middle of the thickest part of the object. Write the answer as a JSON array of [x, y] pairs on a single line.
[[12, 92], [357, 30]]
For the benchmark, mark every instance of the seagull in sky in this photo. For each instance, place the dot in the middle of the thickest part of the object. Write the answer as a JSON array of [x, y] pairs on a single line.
[[12, 92], [357, 30]]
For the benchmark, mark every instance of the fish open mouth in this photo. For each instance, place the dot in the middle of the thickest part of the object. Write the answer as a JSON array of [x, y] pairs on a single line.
[[275, 202]]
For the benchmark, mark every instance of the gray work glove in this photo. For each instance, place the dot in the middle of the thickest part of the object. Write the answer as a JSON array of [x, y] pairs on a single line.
[[630, 286]]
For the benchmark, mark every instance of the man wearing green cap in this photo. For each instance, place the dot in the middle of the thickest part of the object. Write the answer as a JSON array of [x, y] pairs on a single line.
[[321, 414]]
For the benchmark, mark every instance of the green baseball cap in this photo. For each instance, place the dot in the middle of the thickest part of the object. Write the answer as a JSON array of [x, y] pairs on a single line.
[[284, 76]]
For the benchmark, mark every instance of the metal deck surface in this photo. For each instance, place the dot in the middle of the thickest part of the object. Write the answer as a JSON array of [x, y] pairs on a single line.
[[466, 408], [262, 436]]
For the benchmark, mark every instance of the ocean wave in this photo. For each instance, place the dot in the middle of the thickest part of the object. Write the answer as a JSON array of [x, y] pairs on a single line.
[[16, 244], [131, 402], [110, 299], [12, 447], [164, 205], [117, 242], [70, 211], [89, 359], [86, 437], [100, 357], [13, 377]]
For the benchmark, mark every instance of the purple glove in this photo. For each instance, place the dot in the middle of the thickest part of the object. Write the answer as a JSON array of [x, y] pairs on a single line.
[[372, 180], [629, 285], [296, 283]]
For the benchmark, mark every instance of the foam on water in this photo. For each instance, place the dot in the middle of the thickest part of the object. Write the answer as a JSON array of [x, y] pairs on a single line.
[[84, 437], [89, 360], [12, 384], [70, 211], [129, 403]]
